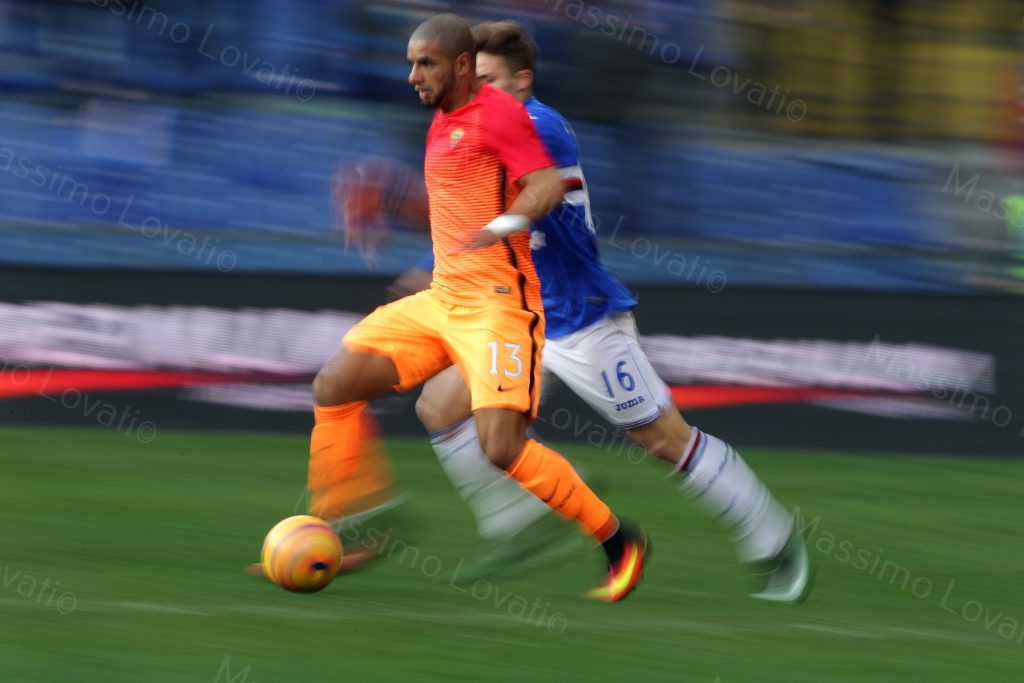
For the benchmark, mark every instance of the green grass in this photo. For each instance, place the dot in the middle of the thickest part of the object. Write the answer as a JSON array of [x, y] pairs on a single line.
[[148, 542]]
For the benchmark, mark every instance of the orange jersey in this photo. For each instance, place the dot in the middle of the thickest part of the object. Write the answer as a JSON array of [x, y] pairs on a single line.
[[474, 160]]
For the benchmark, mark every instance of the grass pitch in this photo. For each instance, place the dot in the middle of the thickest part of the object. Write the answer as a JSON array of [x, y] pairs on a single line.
[[123, 562]]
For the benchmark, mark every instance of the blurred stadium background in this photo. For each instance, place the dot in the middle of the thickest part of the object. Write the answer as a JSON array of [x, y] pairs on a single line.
[[821, 205]]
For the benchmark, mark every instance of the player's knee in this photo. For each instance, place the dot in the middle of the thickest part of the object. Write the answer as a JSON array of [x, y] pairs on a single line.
[[665, 438], [501, 450], [430, 414], [502, 455], [664, 449], [326, 391]]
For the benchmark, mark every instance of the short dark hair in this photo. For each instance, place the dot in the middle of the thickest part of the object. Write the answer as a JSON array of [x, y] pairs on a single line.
[[451, 30], [507, 39]]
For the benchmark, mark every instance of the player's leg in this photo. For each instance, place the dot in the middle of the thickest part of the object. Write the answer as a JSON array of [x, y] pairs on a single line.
[[498, 350], [392, 348], [349, 477], [501, 507], [551, 478], [516, 530], [604, 365], [349, 474], [540, 470], [722, 482], [713, 474]]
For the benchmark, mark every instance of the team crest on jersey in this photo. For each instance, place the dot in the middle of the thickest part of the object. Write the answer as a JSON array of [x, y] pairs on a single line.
[[456, 137]]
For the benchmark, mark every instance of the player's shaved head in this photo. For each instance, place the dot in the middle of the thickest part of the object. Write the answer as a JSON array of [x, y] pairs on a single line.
[[451, 31], [442, 54]]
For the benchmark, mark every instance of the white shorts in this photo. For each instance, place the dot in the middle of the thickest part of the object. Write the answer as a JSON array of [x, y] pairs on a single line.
[[604, 365]]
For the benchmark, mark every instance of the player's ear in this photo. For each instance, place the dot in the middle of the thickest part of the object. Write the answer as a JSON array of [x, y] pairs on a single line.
[[523, 79], [464, 64]]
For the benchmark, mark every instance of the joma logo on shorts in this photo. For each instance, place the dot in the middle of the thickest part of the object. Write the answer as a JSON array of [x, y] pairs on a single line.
[[629, 404]]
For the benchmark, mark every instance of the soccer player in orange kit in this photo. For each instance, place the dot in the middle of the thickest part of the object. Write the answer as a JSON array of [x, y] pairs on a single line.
[[488, 178]]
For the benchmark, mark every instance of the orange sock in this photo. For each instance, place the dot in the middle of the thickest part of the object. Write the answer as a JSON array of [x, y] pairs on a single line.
[[348, 469], [550, 477]]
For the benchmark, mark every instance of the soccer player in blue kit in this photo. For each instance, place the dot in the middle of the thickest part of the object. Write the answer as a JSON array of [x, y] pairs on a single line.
[[593, 347]]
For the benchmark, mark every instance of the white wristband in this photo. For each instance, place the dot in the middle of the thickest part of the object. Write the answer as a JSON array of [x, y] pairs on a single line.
[[506, 224]]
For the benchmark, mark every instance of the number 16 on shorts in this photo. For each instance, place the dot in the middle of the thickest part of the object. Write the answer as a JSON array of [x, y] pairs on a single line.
[[624, 380]]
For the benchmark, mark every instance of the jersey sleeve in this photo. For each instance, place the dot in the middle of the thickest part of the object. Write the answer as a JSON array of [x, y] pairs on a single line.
[[511, 135], [557, 137]]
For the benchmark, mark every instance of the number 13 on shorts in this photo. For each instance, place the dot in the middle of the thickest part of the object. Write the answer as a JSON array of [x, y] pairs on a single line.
[[506, 357]]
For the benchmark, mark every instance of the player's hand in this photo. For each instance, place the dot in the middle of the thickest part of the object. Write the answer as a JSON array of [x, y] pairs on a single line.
[[501, 227], [477, 239], [359, 199]]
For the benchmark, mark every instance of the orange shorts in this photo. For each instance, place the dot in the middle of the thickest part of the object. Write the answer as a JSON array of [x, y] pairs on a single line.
[[496, 348]]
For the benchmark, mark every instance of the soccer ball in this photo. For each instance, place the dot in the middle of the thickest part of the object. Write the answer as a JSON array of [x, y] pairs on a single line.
[[301, 554]]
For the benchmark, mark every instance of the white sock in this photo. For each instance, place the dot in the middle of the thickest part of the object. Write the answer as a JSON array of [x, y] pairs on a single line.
[[501, 506], [718, 478]]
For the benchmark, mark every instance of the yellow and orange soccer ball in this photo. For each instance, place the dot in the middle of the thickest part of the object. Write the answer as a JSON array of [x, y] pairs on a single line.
[[301, 554]]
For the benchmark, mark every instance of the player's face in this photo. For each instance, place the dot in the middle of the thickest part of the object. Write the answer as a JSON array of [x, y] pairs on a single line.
[[432, 74], [494, 69]]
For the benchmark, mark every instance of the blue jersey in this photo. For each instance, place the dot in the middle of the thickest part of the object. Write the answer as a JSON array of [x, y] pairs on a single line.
[[577, 289]]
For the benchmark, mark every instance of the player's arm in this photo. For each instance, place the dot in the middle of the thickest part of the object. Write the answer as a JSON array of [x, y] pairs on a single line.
[[559, 143], [367, 194], [543, 190], [414, 208], [378, 185], [513, 138]]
